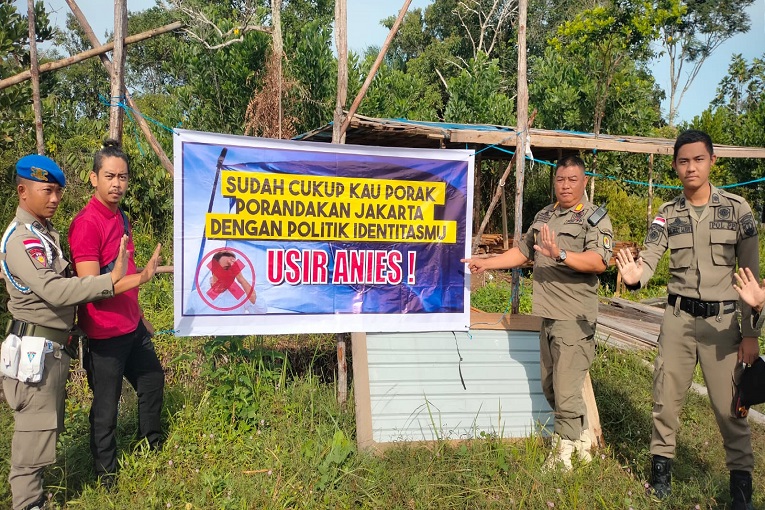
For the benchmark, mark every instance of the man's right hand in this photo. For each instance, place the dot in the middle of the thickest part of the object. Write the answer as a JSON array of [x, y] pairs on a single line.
[[121, 264], [630, 269], [151, 266], [476, 265]]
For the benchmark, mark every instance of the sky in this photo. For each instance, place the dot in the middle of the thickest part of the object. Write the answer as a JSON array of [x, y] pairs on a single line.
[[364, 29]]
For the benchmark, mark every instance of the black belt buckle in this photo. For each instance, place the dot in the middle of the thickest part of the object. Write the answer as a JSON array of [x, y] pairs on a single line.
[[18, 328]]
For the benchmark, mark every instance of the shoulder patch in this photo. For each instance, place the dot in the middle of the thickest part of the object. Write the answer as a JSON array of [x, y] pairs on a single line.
[[747, 225], [36, 252], [659, 221]]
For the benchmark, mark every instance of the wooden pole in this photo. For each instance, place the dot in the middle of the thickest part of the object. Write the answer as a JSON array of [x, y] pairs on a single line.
[[116, 113], [649, 212], [520, 143], [142, 124], [276, 19], [338, 136], [35, 74], [74, 59], [497, 193], [375, 67], [505, 234], [341, 41]]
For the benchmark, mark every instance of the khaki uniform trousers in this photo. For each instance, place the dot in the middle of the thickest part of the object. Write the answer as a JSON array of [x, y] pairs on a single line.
[[566, 351], [39, 417], [713, 342]]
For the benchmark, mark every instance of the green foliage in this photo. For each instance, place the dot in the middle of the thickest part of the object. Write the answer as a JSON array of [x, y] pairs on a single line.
[[496, 295], [396, 94], [477, 95]]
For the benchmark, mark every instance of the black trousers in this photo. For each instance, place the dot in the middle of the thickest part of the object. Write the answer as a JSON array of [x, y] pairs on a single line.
[[106, 362]]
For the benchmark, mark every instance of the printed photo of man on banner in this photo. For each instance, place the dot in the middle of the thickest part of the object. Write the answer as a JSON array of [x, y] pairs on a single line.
[[300, 237]]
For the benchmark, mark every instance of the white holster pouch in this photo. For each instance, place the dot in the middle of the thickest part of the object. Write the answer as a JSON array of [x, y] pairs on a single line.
[[32, 359], [10, 353]]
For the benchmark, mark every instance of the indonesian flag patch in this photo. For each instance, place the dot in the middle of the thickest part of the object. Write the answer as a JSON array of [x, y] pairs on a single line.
[[659, 221], [36, 252]]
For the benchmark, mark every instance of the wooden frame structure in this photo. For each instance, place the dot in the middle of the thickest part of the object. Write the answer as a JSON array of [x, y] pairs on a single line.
[[546, 144]]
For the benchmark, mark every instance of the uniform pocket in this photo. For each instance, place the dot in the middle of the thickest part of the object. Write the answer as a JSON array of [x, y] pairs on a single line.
[[571, 237], [723, 247], [681, 251]]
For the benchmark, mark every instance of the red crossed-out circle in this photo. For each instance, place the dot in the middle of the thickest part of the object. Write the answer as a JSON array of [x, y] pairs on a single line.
[[204, 263]]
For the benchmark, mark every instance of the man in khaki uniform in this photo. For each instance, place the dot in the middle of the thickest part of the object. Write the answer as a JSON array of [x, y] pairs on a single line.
[[707, 231], [570, 242], [42, 301]]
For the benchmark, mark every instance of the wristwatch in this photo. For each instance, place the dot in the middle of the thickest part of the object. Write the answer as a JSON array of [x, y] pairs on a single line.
[[562, 256]]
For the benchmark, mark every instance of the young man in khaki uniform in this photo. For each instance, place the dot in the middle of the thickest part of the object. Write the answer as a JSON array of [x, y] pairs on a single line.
[[42, 301], [707, 231], [570, 243]]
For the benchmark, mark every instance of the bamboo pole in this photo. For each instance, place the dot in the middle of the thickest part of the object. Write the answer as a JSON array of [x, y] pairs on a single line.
[[142, 124], [278, 40], [375, 67], [74, 59], [116, 113], [649, 212], [35, 74], [520, 142]]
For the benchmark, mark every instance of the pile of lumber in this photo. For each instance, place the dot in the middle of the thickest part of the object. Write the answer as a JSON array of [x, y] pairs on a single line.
[[628, 325]]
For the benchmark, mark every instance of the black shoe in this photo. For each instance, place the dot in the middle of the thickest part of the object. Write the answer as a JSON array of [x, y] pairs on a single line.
[[37, 505], [741, 490], [108, 481], [661, 476]]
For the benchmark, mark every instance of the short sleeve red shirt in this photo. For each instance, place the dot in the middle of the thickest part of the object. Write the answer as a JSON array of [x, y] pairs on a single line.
[[95, 235]]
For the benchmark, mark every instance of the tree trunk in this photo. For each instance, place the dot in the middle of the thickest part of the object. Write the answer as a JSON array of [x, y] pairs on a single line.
[[650, 190], [34, 72], [116, 113], [520, 143]]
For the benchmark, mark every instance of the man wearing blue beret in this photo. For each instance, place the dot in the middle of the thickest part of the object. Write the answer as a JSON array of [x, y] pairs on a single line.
[[43, 300]]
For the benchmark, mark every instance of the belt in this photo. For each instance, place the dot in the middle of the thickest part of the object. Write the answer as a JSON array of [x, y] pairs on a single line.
[[699, 308], [21, 328]]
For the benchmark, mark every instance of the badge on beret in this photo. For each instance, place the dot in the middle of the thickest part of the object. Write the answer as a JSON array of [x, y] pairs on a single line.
[[36, 252], [607, 242], [38, 174]]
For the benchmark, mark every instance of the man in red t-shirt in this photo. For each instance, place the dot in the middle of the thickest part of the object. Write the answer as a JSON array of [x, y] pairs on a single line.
[[120, 337]]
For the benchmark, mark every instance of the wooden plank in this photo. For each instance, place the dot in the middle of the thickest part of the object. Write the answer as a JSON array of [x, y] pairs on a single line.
[[508, 322], [364, 437], [651, 310], [620, 325], [593, 416]]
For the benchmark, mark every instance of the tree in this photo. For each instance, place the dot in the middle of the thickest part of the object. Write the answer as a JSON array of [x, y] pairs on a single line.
[[692, 31], [15, 118]]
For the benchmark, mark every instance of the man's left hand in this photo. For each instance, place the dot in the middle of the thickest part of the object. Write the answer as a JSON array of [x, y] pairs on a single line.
[[748, 350]]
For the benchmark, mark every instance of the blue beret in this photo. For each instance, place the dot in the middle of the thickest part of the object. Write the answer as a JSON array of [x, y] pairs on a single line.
[[40, 168]]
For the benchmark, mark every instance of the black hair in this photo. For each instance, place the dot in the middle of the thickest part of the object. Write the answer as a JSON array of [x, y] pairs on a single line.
[[110, 149], [219, 255], [693, 136], [570, 161]]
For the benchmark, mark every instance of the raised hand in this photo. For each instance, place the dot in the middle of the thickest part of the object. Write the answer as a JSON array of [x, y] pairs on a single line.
[[151, 266], [121, 263], [630, 269], [750, 291], [547, 245]]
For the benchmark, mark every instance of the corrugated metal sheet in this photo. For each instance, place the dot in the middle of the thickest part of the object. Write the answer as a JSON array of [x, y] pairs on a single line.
[[417, 394]]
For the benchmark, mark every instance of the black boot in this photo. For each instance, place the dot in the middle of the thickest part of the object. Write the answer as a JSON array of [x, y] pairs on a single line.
[[661, 476], [741, 490]]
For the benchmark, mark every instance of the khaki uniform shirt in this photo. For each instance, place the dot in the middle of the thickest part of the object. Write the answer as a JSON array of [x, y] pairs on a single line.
[[560, 292], [40, 290], [703, 250]]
